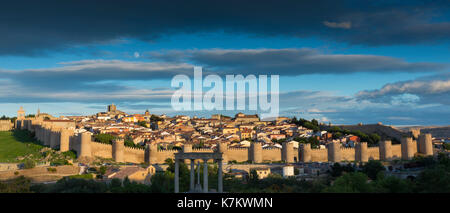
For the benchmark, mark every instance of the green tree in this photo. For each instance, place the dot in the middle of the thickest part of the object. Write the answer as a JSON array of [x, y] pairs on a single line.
[[392, 184], [434, 180], [315, 122], [334, 129], [75, 185], [162, 182], [29, 164], [447, 146], [374, 139], [154, 118], [337, 169], [142, 123], [253, 177], [372, 168], [355, 182], [104, 138], [128, 141], [184, 173], [337, 135], [102, 170], [17, 185]]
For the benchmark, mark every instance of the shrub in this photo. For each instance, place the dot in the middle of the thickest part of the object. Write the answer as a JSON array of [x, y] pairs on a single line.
[[104, 138], [29, 164], [372, 168], [83, 176], [102, 170], [59, 162], [71, 154], [447, 146], [50, 169]]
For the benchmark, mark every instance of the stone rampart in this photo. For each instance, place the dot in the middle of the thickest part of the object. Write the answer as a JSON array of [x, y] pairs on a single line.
[[62, 138]]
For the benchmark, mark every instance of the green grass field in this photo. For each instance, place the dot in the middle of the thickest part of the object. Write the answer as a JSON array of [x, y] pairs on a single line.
[[15, 144]]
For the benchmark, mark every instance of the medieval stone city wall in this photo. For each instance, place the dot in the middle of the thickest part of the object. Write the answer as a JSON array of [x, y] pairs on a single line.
[[348, 154], [319, 155], [163, 155], [62, 137], [6, 125], [373, 153], [134, 155], [271, 154], [237, 154], [101, 150], [396, 151]]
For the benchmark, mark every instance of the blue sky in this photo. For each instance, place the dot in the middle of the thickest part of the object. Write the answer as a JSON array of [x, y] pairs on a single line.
[[339, 61]]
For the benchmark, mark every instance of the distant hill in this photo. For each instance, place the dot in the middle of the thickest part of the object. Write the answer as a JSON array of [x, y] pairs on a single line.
[[435, 131], [382, 130]]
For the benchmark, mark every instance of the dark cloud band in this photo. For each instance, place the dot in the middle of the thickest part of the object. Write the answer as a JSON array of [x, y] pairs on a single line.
[[31, 27]]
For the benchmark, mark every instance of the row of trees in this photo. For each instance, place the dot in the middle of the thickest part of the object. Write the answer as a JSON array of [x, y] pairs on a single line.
[[371, 139], [313, 124], [350, 178], [311, 140], [108, 138], [434, 179], [370, 178], [13, 119]]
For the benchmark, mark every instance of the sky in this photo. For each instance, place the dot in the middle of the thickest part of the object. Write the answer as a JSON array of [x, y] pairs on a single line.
[[339, 61]]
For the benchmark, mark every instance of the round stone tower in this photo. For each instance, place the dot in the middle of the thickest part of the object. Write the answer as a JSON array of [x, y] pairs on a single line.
[[287, 152], [33, 124], [85, 145], [38, 130], [187, 147], [426, 144], [54, 137], [334, 152], [47, 136], [255, 152], [118, 150], [385, 150], [29, 126], [38, 133], [407, 148], [42, 134], [151, 153], [223, 148], [361, 152], [64, 140], [24, 125], [17, 124], [305, 152], [414, 133]]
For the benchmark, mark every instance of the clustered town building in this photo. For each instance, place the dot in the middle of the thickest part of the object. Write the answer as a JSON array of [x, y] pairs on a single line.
[[244, 138]]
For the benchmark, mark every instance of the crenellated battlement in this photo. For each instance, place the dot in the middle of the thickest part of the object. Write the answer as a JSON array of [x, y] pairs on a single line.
[[168, 151], [134, 148], [202, 150], [270, 148], [347, 148], [63, 137], [237, 148]]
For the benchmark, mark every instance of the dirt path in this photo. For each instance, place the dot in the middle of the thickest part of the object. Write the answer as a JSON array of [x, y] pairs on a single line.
[[41, 174]]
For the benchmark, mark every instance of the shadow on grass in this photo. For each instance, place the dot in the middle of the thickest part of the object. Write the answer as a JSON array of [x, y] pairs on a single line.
[[25, 136]]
